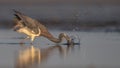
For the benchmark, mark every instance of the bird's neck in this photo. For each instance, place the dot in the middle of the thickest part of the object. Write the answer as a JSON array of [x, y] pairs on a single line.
[[59, 39]]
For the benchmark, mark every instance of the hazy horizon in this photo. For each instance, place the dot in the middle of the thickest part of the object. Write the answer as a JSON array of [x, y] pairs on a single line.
[[63, 11]]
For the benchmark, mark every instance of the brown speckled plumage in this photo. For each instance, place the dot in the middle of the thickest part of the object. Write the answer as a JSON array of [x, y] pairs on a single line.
[[33, 28]]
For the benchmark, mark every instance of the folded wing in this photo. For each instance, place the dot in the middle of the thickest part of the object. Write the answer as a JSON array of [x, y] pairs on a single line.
[[28, 22]]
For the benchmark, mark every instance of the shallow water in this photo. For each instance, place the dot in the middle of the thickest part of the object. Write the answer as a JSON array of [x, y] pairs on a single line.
[[96, 50]]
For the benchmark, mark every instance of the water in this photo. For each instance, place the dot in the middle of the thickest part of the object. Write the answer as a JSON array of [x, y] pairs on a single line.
[[97, 50]]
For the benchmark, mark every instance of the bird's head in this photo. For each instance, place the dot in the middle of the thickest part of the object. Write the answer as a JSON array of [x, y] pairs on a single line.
[[75, 40]]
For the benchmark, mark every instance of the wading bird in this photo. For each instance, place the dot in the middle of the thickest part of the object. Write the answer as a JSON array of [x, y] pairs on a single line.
[[33, 28]]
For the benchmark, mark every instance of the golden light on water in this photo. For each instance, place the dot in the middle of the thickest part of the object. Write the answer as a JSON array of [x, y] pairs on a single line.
[[28, 57], [32, 56]]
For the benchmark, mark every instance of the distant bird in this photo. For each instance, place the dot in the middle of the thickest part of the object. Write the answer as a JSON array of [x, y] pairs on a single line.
[[33, 28]]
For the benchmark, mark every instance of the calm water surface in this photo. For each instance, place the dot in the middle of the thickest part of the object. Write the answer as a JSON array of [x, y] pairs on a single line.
[[97, 50]]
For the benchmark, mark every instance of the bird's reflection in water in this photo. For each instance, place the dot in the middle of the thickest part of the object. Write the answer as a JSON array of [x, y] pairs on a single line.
[[30, 56], [27, 57]]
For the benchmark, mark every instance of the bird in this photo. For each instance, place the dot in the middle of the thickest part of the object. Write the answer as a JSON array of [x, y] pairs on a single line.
[[33, 28]]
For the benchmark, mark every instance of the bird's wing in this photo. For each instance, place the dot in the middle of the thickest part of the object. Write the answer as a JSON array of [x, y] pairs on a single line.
[[32, 24]]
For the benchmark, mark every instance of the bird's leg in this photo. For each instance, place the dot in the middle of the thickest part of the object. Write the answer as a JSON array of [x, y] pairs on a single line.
[[24, 39], [32, 39]]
